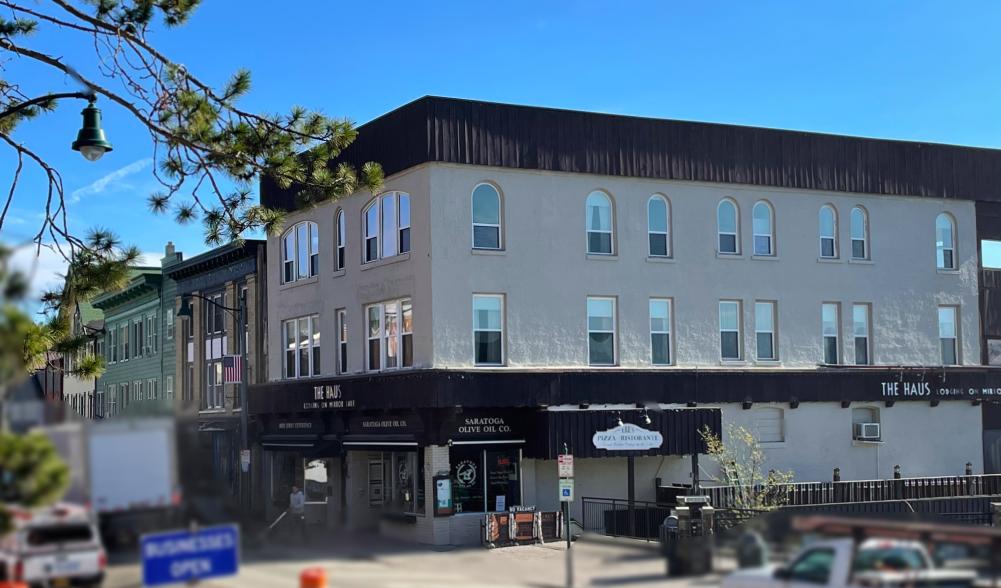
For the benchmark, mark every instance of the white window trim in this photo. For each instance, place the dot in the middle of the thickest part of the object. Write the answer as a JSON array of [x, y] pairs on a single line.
[[503, 355], [865, 233], [951, 246], [666, 233], [611, 223], [739, 330], [837, 336], [341, 315], [955, 338], [771, 230], [736, 224], [868, 332], [398, 228], [833, 237], [340, 242], [500, 218], [773, 305], [382, 335], [293, 232], [614, 331], [313, 324], [668, 332]]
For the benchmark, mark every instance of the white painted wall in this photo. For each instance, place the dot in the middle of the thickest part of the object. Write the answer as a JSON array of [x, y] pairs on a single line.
[[546, 275]]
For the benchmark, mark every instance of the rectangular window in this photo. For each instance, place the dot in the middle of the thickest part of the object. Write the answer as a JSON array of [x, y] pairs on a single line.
[[729, 329], [151, 389], [214, 395], [948, 330], [601, 331], [168, 388], [112, 399], [342, 342], [389, 236], [123, 333], [302, 347], [169, 326], [861, 332], [341, 239], [830, 319], [485, 480], [374, 314], [189, 382], [769, 425], [488, 329], [302, 250], [390, 335], [155, 333], [660, 331], [764, 330]]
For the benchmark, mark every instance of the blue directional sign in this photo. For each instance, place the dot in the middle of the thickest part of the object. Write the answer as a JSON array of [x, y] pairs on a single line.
[[183, 556]]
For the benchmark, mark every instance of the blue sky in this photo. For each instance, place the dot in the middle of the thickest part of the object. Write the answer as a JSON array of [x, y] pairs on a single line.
[[906, 70]]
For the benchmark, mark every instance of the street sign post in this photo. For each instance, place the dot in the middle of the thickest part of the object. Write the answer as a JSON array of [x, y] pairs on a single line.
[[566, 490], [565, 464], [189, 556]]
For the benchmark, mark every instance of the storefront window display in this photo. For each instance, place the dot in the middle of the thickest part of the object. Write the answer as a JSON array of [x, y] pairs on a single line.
[[485, 480], [396, 481]]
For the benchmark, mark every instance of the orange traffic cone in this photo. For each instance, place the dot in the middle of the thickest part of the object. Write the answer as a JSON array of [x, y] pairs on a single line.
[[313, 578]]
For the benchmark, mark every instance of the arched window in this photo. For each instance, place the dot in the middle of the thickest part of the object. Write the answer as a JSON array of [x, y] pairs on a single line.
[[769, 425], [828, 232], [599, 223], [387, 226], [486, 217], [764, 229], [341, 239], [727, 227], [658, 212], [945, 241], [860, 233], [300, 252]]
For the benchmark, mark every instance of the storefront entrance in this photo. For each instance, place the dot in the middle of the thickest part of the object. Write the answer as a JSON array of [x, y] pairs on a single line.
[[485, 480]]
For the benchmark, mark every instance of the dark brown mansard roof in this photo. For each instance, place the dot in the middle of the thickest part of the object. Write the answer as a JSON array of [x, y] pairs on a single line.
[[448, 130]]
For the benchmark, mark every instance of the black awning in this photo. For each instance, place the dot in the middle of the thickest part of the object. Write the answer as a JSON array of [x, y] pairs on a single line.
[[680, 429], [388, 442], [289, 441]]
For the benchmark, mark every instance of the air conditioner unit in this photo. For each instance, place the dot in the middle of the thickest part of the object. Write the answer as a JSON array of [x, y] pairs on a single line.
[[867, 431]]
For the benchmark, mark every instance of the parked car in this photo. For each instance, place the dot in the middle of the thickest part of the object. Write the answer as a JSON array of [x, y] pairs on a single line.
[[53, 547], [836, 564]]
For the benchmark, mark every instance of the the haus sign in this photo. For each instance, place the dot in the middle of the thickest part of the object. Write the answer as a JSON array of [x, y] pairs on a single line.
[[327, 396], [627, 437], [899, 389]]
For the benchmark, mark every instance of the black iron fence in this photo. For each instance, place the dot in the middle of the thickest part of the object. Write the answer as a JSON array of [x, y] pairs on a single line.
[[637, 519], [809, 493]]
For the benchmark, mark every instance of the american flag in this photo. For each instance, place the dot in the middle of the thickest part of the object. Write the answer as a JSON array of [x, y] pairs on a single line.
[[231, 365]]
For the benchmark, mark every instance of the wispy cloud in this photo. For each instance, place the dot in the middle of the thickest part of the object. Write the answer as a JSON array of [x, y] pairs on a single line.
[[110, 182]]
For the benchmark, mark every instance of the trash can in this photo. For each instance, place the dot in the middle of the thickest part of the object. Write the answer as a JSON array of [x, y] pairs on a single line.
[[686, 539]]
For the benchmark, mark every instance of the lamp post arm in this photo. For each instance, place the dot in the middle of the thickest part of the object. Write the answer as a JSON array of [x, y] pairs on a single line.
[[39, 100], [213, 302]]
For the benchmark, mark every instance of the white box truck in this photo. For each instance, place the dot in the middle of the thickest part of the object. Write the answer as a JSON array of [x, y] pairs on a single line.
[[125, 470]]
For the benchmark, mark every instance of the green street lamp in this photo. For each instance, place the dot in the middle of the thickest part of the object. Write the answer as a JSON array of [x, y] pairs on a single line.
[[90, 141]]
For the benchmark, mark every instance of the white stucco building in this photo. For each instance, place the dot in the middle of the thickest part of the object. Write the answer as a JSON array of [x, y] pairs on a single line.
[[528, 277]]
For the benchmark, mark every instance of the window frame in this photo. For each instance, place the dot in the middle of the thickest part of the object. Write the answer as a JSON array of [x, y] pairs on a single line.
[[340, 240], [956, 348], [866, 255], [720, 233], [381, 337], [611, 224], [292, 234], [824, 336], [773, 313], [500, 330], [833, 237], [394, 197], [500, 217], [342, 340], [669, 332], [614, 331], [770, 235], [941, 248], [772, 410], [867, 313], [739, 330], [313, 346], [667, 233]]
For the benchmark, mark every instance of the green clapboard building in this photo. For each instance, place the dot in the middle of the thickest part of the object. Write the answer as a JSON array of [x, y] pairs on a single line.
[[139, 347]]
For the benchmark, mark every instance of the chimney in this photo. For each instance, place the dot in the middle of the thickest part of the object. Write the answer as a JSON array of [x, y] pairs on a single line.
[[169, 249]]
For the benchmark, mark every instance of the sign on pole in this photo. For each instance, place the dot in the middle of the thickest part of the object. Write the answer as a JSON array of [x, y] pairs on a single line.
[[566, 490], [186, 556], [565, 463]]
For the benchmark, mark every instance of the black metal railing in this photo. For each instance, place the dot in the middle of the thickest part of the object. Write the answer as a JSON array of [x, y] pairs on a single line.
[[637, 519], [808, 493]]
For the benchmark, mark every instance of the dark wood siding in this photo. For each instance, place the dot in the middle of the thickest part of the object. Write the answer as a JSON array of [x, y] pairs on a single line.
[[447, 130]]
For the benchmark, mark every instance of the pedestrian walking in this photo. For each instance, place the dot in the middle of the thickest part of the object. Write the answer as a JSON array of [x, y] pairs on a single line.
[[297, 510]]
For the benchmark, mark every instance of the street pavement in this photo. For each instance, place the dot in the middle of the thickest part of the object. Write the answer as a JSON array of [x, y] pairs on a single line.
[[371, 561]]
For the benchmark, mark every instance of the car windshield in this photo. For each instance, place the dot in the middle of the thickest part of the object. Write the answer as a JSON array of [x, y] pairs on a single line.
[[889, 559], [56, 534]]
